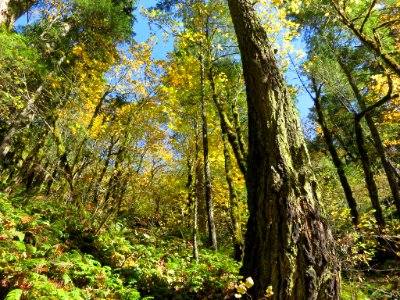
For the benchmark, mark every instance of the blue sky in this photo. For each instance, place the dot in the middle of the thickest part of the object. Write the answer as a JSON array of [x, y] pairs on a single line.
[[141, 28], [142, 31]]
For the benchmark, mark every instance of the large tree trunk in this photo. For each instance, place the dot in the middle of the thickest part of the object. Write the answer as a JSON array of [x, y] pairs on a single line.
[[11, 10], [288, 244], [336, 160]]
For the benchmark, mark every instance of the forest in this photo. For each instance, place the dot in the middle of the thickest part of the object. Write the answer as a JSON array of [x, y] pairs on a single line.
[[178, 166]]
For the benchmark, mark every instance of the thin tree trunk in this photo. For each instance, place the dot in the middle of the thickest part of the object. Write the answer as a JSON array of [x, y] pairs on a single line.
[[235, 139], [238, 128], [104, 170], [195, 198], [195, 229], [207, 173], [234, 210], [390, 175], [372, 44], [369, 176], [288, 243], [190, 189], [89, 127], [335, 158], [63, 160], [25, 117]]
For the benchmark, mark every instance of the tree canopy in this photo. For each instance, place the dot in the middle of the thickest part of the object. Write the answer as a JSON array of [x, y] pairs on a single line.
[[191, 175]]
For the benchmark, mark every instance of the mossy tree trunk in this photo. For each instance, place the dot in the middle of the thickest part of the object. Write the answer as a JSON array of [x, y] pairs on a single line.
[[288, 244], [234, 211]]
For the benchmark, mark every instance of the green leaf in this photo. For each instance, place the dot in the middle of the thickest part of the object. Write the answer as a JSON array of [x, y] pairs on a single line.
[[66, 279], [20, 235], [20, 245], [14, 295]]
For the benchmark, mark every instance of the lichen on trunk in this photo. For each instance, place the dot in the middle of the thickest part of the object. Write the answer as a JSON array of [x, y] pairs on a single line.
[[288, 243]]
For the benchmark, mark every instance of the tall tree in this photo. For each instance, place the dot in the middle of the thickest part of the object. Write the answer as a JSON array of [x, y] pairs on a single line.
[[288, 244], [212, 234], [335, 156]]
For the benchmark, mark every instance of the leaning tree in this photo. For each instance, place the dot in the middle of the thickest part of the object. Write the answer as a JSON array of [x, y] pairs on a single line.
[[288, 243]]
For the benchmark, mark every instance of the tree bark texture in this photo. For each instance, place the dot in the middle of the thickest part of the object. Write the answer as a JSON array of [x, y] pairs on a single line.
[[288, 244], [336, 161]]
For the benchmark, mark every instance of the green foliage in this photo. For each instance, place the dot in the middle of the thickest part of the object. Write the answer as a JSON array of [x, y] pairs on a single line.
[[97, 170], [16, 54], [42, 256], [19, 65], [14, 295], [115, 17], [36, 258]]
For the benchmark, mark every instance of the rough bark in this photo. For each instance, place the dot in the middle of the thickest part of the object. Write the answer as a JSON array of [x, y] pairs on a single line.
[[288, 243], [336, 160], [207, 173]]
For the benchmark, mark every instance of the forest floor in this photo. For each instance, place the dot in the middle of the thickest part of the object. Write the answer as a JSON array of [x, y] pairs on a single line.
[[49, 252]]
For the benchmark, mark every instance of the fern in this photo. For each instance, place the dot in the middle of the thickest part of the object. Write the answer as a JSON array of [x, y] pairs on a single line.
[[14, 295]]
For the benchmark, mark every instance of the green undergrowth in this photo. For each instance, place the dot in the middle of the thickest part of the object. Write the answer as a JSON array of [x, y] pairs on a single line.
[[48, 251], [43, 255], [383, 285]]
